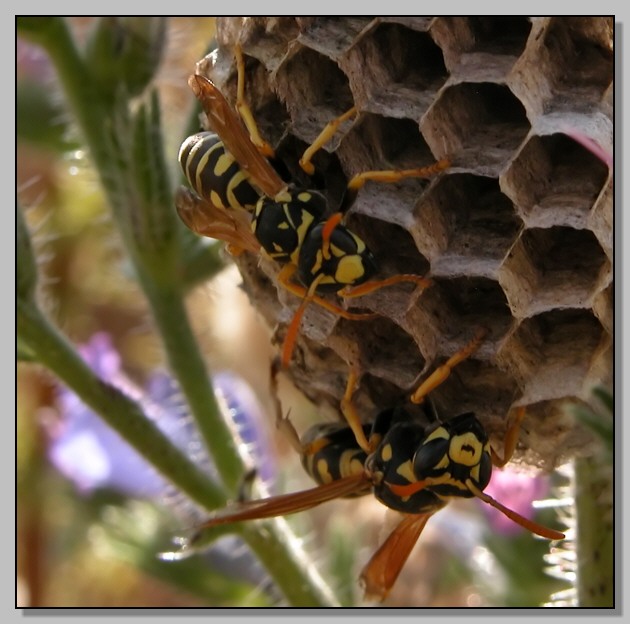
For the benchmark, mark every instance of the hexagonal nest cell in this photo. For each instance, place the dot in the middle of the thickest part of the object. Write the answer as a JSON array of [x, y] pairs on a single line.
[[516, 235]]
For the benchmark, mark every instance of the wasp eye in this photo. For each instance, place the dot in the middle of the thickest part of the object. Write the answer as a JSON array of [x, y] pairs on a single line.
[[430, 457]]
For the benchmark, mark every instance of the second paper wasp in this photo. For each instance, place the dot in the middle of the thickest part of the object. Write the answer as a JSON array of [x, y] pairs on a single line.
[[408, 465], [237, 196]]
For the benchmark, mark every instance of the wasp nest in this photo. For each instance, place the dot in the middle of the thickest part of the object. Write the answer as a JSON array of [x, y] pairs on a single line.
[[516, 235]]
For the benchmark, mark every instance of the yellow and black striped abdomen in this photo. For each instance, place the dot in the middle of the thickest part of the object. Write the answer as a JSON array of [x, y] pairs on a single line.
[[335, 454], [214, 174]]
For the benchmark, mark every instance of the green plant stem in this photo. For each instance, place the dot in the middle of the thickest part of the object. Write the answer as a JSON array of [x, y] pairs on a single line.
[[157, 273], [188, 366], [288, 565], [595, 535], [118, 410]]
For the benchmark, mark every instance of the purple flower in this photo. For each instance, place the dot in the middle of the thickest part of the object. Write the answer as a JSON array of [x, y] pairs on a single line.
[[92, 455], [516, 490]]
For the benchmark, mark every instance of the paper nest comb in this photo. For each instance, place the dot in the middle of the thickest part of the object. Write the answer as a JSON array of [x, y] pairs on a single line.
[[516, 235]]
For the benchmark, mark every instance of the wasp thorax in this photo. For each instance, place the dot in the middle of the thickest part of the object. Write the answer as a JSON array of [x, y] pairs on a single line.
[[281, 225]]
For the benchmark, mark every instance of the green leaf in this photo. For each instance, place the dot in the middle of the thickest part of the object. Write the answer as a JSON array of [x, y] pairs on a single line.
[[125, 53]]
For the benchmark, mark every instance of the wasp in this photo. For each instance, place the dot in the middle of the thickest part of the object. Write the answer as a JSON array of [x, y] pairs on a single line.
[[408, 465], [238, 196]]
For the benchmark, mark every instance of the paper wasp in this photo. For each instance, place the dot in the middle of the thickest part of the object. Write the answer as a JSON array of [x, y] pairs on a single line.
[[410, 466], [240, 198]]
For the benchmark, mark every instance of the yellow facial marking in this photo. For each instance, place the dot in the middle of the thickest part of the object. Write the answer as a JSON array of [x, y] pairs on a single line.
[[443, 463], [304, 197], [405, 470], [439, 434], [283, 226], [465, 449]]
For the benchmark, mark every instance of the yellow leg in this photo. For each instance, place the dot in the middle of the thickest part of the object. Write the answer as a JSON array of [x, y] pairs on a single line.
[[510, 440], [243, 107], [350, 413], [324, 136], [389, 177], [441, 374], [392, 176]]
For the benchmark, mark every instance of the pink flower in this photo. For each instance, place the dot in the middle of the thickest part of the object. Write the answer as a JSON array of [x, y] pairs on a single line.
[[516, 490]]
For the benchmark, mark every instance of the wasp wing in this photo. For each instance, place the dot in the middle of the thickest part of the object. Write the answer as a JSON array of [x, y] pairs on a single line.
[[233, 226], [288, 503], [382, 570], [226, 123]]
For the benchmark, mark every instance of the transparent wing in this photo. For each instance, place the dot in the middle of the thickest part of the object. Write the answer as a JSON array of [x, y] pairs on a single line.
[[226, 123], [382, 570], [287, 503], [202, 217]]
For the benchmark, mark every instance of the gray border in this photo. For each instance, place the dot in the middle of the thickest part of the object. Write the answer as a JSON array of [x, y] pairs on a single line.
[[621, 225]]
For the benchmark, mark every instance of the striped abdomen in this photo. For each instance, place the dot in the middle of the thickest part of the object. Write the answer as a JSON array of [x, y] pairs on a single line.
[[213, 173]]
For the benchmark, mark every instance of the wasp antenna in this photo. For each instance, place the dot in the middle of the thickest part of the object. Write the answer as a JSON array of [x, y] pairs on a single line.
[[530, 525]]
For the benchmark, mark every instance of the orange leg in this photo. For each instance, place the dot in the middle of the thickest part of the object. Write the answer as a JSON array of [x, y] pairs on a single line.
[[243, 107], [368, 287], [292, 332], [284, 278], [441, 374], [329, 227], [324, 136], [510, 440]]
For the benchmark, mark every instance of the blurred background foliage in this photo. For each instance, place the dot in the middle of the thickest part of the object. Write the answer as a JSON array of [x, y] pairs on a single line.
[[85, 542]]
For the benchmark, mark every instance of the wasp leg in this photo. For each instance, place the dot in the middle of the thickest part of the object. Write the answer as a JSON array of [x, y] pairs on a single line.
[[284, 278], [324, 136], [390, 177], [368, 287], [440, 374], [309, 296], [510, 440], [243, 107], [350, 413], [292, 332]]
